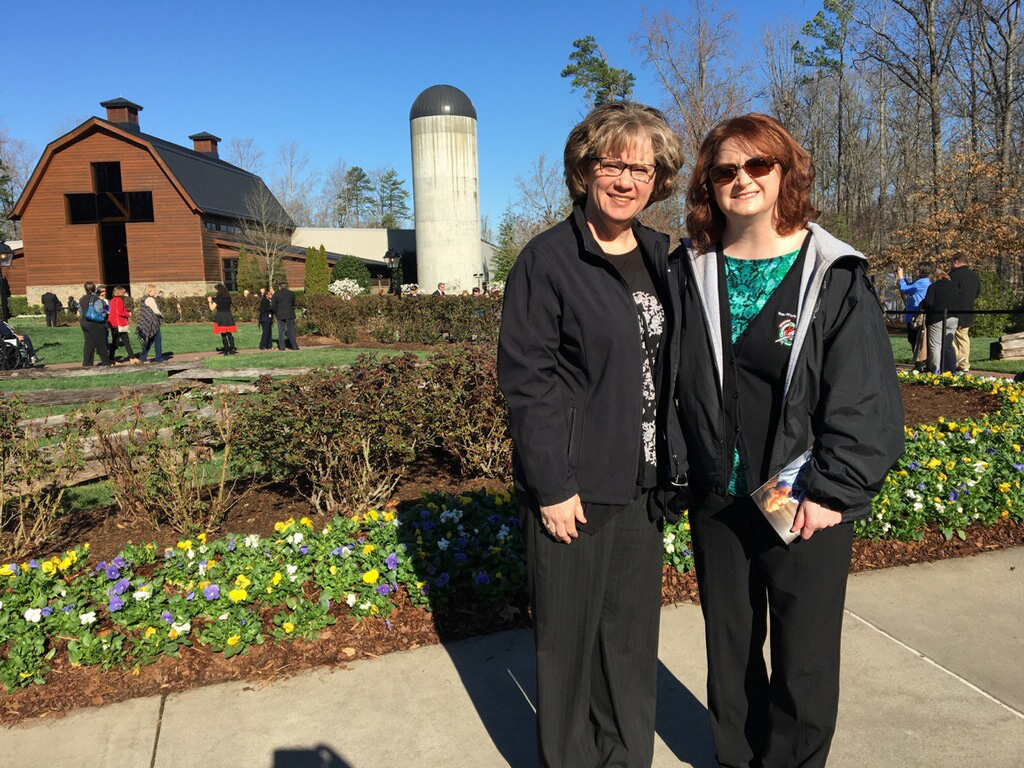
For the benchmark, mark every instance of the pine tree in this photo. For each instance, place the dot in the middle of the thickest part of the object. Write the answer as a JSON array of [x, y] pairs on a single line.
[[318, 274], [250, 276], [508, 249]]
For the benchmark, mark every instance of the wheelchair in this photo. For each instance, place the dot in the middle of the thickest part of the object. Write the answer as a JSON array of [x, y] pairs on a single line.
[[13, 352]]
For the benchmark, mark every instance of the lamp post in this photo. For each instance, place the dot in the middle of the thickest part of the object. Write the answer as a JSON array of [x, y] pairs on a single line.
[[392, 259], [6, 259]]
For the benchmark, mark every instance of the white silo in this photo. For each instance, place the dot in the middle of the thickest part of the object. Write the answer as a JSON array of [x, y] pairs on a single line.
[[446, 189]]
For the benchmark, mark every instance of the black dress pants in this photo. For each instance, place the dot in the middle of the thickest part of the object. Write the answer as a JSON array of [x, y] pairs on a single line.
[[746, 574], [51, 317], [265, 326], [95, 340], [596, 607]]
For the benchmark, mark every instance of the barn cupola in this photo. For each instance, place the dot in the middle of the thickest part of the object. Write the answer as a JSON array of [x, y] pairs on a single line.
[[122, 113], [205, 143]]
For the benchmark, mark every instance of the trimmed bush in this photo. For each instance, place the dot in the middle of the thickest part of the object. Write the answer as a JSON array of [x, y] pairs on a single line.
[[341, 439], [997, 293]]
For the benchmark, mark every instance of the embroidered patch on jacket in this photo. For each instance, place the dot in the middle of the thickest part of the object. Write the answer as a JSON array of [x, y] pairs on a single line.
[[787, 328]]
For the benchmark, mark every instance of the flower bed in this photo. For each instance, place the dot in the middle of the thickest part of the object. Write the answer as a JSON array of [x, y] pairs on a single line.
[[955, 473], [240, 590]]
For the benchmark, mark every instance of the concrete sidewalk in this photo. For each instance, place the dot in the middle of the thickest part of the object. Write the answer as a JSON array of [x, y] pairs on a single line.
[[932, 675]]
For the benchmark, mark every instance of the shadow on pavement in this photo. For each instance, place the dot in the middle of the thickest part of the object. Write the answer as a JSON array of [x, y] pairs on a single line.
[[682, 722], [499, 674], [318, 757]]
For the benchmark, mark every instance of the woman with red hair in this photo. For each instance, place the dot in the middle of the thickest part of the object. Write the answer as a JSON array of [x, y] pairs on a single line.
[[786, 361]]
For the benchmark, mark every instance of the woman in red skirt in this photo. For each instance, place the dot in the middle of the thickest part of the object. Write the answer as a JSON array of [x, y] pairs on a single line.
[[223, 321]]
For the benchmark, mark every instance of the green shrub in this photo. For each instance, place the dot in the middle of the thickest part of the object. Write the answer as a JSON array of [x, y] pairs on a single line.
[[18, 305], [997, 293], [468, 415], [342, 439], [351, 267], [34, 473], [318, 274]]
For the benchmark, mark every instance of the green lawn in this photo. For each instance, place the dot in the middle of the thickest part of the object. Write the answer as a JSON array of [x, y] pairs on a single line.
[[64, 344], [979, 355]]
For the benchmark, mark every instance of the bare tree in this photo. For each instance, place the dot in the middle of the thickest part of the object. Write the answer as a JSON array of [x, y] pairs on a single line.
[[694, 59], [325, 211], [913, 39], [265, 231], [543, 198], [782, 75], [16, 163], [293, 182], [245, 154]]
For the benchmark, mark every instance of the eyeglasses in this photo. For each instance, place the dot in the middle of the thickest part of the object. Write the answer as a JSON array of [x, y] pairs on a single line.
[[755, 168], [641, 172]]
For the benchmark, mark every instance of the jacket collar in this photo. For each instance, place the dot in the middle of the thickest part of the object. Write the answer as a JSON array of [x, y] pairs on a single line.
[[653, 243], [823, 251]]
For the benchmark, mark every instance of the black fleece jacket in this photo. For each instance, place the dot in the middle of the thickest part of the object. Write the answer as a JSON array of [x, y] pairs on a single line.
[[570, 363]]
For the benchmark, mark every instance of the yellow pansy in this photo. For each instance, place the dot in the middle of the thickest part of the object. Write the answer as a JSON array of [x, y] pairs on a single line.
[[173, 634], [7, 570], [202, 538], [389, 516], [288, 627], [242, 581], [371, 576], [1004, 487], [306, 522], [237, 595], [276, 578], [150, 631], [185, 544], [333, 569], [48, 567], [234, 639], [933, 463], [368, 548], [373, 515]]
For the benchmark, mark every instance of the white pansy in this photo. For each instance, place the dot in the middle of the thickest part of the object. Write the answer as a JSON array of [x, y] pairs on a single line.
[[182, 629], [142, 594], [34, 615], [442, 544], [351, 599], [252, 541], [222, 617], [87, 618], [364, 606]]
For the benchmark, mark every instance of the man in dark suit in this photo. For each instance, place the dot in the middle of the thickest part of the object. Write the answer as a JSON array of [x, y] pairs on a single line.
[[968, 287], [283, 307], [51, 306], [440, 290]]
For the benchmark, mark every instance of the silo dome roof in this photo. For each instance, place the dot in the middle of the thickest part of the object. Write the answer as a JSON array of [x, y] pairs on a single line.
[[442, 100]]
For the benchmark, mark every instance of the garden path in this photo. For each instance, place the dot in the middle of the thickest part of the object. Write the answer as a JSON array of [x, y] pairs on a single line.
[[931, 676]]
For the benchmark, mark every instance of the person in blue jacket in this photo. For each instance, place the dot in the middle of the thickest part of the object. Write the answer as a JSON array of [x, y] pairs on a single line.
[[914, 293]]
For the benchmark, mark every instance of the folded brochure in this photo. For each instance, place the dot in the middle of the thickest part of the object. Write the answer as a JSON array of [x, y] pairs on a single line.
[[779, 498]]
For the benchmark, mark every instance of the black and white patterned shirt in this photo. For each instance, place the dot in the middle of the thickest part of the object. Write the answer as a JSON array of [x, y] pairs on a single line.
[[651, 327]]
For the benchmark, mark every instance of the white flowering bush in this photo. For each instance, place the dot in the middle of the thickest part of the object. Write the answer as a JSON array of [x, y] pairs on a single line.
[[346, 284]]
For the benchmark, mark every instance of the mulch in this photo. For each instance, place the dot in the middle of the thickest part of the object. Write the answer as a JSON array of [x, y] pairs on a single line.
[[69, 688]]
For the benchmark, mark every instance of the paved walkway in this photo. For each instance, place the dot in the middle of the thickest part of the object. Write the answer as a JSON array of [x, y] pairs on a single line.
[[932, 675]]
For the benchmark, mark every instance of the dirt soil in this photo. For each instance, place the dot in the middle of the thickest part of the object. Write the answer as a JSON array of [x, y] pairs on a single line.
[[68, 688]]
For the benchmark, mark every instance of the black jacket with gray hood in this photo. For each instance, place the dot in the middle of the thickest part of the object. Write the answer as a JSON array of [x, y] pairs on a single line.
[[841, 396]]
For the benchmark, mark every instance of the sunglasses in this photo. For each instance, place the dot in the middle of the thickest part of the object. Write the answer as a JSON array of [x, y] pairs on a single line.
[[755, 168]]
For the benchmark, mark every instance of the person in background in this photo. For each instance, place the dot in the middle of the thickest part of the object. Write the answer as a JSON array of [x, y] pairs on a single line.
[[587, 354], [913, 292], [93, 323], [72, 305], [7, 331], [941, 297], [51, 306], [968, 287], [785, 354], [440, 290], [147, 328], [118, 319], [283, 306], [266, 317], [223, 320]]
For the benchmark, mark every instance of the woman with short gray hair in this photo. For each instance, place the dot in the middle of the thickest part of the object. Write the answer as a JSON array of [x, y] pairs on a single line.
[[586, 357]]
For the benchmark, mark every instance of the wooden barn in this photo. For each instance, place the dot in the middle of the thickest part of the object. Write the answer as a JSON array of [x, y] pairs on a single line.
[[114, 205]]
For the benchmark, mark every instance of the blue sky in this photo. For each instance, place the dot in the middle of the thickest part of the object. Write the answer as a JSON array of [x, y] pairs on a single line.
[[337, 77]]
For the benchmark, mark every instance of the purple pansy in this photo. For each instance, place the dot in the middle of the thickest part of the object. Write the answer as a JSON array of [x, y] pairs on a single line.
[[231, 545], [384, 589], [211, 592], [33, 564], [913, 465], [119, 588], [191, 595], [119, 561], [112, 571], [115, 604], [482, 578], [167, 616], [47, 610], [391, 561], [442, 579], [303, 549]]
